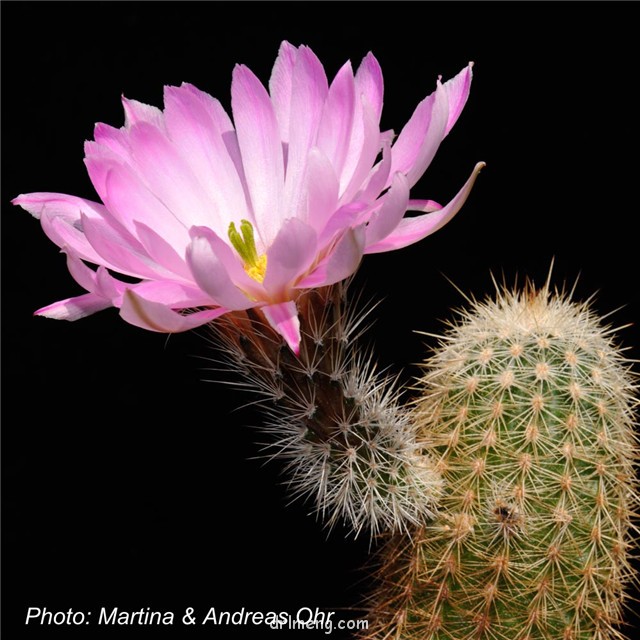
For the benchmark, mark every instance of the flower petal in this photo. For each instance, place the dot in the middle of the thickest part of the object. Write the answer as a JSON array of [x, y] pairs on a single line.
[[74, 308], [112, 139], [425, 206], [336, 127], [283, 318], [155, 316], [322, 190], [60, 215], [411, 230], [308, 95], [370, 84], [124, 254], [171, 294], [341, 262], [211, 275], [222, 123], [280, 87], [100, 282], [347, 216], [420, 138], [366, 143], [161, 251], [170, 178], [261, 149], [387, 218], [378, 178], [457, 90], [80, 272], [132, 203], [106, 286], [197, 127], [288, 258], [135, 112], [229, 259]]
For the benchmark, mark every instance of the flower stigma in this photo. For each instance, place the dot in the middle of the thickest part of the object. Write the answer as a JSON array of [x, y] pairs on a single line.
[[244, 243]]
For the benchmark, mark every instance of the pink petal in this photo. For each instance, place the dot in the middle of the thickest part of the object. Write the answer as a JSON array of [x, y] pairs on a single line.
[[131, 202], [280, 87], [60, 215], [283, 318], [128, 200], [106, 286], [135, 112], [112, 139], [222, 123], [171, 294], [421, 136], [40, 204], [231, 262], [169, 177], [290, 255], [425, 206], [378, 179], [341, 262], [125, 255], [365, 145], [387, 218], [80, 272], [322, 190], [261, 149], [99, 161], [336, 127], [74, 308], [100, 282], [155, 316], [161, 252], [457, 90], [212, 276], [347, 216], [308, 94], [196, 128], [370, 84], [107, 159], [411, 230]]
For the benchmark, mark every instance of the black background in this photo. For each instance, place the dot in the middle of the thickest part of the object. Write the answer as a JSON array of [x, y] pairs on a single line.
[[129, 479]]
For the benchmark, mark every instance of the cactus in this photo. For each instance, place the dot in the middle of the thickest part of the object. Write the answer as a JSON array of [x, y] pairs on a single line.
[[346, 439], [527, 405]]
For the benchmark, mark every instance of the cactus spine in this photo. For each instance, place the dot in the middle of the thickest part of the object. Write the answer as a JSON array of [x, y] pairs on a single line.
[[348, 443], [527, 406]]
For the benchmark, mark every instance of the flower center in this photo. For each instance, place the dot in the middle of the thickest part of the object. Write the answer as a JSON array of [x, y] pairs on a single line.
[[244, 243]]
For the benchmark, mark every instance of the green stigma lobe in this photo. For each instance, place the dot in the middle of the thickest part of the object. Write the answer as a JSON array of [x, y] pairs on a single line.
[[245, 244]]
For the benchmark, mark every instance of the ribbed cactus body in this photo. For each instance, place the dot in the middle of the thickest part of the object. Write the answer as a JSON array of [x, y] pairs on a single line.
[[527, 407]]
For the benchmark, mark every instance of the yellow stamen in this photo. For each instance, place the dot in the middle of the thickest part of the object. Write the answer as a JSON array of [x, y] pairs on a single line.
[[258, 269]]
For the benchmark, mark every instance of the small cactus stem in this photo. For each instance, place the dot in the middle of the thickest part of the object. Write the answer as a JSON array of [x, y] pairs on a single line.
[[528, 406], [337, 423]]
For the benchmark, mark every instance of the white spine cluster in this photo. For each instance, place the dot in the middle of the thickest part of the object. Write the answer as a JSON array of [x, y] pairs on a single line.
[[335, 420]]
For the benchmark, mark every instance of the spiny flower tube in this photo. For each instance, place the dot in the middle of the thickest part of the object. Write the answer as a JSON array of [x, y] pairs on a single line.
[[338, 424], [211, 215]]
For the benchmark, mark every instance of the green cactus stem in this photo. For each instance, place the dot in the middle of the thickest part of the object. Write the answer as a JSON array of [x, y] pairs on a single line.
[[527, 406]]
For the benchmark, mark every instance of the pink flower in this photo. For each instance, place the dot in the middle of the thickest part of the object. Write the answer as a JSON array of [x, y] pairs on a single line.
[[212, 215]]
